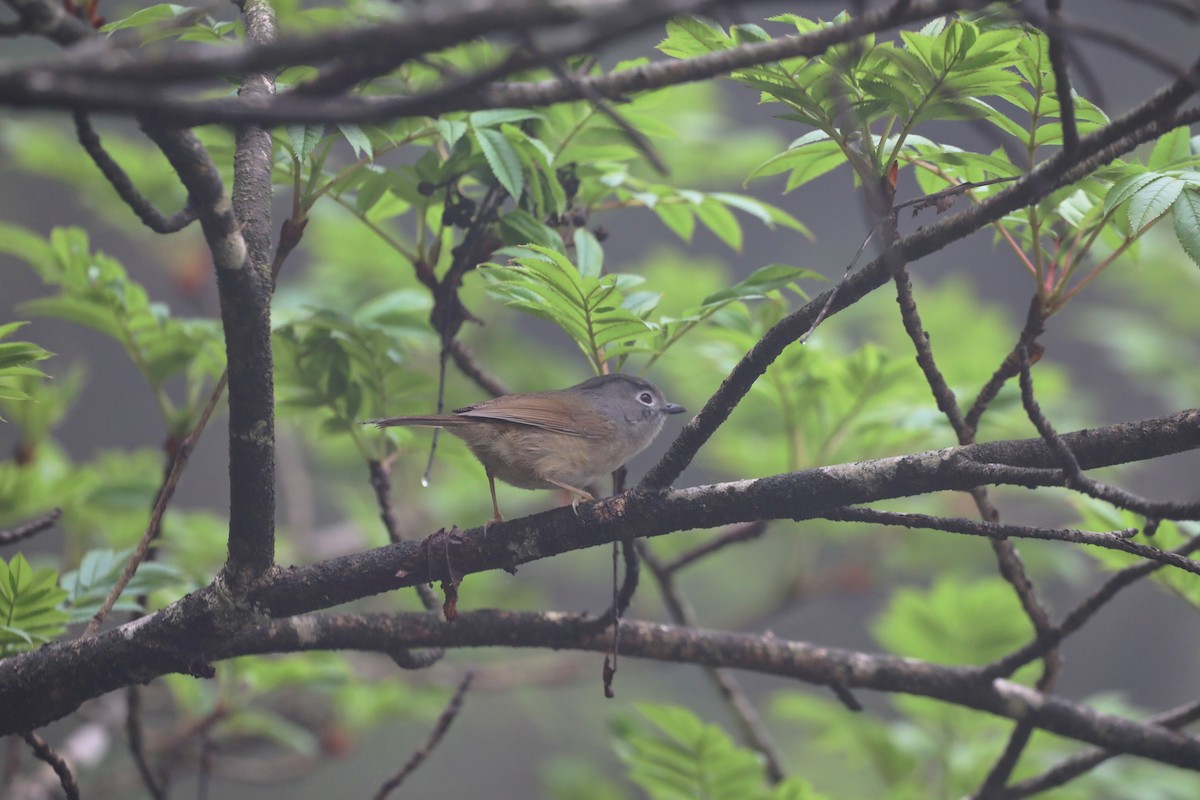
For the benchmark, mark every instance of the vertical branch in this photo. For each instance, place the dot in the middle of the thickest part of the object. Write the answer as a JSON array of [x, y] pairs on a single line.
[[249, 286], [1008, 559], [155, 783], [1062, 79]]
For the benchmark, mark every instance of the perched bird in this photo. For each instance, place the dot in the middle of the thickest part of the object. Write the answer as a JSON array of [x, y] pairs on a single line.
[[558, 439]]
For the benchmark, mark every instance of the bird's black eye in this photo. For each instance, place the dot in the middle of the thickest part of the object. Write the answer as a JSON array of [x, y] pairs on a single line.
[[646, 398]]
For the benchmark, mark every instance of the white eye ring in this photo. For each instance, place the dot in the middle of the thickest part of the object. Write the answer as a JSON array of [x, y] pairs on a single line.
[[646, 399]]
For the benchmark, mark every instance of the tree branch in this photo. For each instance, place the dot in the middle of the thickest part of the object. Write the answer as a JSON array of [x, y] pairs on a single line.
[[823, 666], [38, 687], [445, 719], [49, 86]]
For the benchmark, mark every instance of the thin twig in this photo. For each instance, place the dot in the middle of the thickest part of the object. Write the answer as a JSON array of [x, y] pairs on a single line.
[[47, 753], [747, 531], [448, 715], [938, 199], [165, 493], [155, 782], [1083, 762], [30, 528], [1010, 367], [638, 139], [1107, 539], [1083, 612], [1062, 78], [120, 181], [1008, 560], [381, 482], [1073, 475], [469, 365], [727, 684]]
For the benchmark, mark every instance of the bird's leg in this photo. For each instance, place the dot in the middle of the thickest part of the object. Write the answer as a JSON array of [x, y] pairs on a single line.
[[495, 506], [580, 494]]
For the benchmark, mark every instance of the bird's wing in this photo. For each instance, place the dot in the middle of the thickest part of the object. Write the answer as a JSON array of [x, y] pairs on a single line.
[[543, 411]]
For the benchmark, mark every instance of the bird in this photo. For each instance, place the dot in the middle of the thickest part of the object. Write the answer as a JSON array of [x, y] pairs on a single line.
[[564, 438]]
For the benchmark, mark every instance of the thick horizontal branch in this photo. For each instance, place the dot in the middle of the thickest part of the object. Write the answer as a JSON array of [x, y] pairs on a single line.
[[797, 495], [423, 32], [826, 666], [51, 86], [38, 687]]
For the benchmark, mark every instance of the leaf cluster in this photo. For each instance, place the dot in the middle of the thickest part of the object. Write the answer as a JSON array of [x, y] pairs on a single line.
[[95, 291]]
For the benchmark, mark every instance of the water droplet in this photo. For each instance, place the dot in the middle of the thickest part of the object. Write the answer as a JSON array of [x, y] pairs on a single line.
[[425, 481]]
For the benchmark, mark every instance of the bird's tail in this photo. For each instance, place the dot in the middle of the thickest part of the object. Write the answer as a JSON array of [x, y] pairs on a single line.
[[424, 420]]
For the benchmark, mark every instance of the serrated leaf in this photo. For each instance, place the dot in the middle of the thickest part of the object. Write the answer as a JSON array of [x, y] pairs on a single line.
[[519, 227], [452, 130], [496, 116], [686, 757], [1186, 212], [304, 138], [689, 36], [1125, 188], [357, 139], [29, 606], [1172, 146], [88, 586], [1152, 200], [502, 159]]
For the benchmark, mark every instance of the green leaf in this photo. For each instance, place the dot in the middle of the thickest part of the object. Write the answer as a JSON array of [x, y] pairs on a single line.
[[689, 36], [767, 213], [688, 758], [30, 601], [357, 139], [75, 310], [954, 622], [375, 184], [519, 227], [678, 217], [1173, 146], [304, 139], [496, 116], [807, 158], [761, 281], [502, 159], [15, 358], [1125, 188], [151, 15], [1187, 223], [1153, 200], [89, 586], [718, 219], [588, 253], [452, 130], [587, 307], [259, 723]]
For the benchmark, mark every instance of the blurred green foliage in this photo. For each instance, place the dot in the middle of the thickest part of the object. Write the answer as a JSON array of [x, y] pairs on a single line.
[[387, 208]]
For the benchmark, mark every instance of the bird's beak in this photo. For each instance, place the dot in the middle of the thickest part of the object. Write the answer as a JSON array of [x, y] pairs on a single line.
[[673, 408]]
